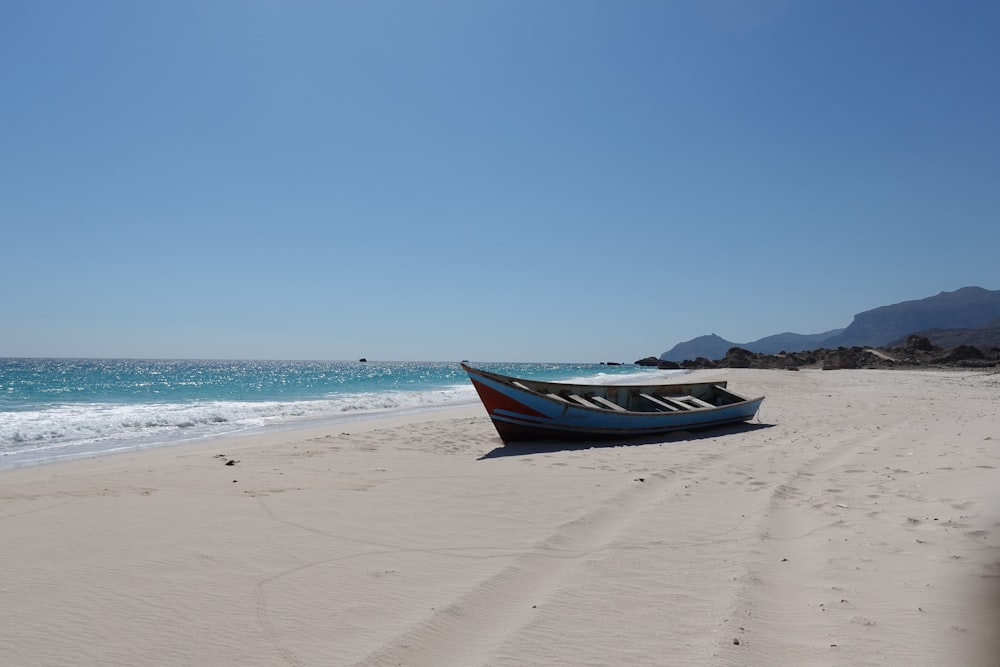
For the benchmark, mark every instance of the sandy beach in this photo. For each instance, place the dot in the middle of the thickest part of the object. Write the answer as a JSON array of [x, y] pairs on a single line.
[[856, 521]]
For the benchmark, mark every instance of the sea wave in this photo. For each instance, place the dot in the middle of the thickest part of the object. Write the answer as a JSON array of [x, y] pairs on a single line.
[[75, 430], [641, 377]]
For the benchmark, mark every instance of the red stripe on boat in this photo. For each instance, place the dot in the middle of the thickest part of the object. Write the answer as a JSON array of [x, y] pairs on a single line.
[[495, 400]]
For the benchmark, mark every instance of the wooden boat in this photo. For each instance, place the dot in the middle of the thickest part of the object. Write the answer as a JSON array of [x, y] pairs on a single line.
[[524, 409]]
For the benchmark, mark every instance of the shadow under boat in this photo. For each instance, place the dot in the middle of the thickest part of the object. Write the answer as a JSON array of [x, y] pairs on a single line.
[[529, 447]]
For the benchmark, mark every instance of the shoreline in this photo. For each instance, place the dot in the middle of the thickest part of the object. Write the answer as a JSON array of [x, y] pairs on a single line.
[[19, 460], [853, 522], [263, 436]]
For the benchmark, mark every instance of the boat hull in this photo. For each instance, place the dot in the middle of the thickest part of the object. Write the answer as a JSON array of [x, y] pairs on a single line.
[[523, 410]]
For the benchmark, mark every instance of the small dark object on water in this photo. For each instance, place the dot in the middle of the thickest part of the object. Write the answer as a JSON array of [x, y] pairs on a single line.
[[736, 640], [231, 462]]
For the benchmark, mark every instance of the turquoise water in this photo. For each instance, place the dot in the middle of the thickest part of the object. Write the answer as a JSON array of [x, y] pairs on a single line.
[[54, 409]]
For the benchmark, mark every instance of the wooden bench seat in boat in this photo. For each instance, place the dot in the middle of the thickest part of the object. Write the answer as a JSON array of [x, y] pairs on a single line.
[[656, 400], [697, 401], [677, 402], [581, 400], [608, 404]]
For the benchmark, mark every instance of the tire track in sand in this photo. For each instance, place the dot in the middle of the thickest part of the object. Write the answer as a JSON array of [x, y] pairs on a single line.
[[465, 631]]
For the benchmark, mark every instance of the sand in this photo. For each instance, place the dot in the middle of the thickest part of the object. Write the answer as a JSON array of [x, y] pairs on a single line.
[[856, 522]]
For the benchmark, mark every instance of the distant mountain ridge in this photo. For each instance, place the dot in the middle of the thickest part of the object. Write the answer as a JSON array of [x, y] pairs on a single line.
[[788, 341], [974, 310]]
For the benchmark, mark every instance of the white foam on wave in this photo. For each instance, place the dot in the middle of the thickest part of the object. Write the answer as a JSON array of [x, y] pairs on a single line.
[[77, 430], [643, 377]]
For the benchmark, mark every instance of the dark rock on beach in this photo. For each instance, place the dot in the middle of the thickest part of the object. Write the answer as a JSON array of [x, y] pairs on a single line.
[[915, 352]]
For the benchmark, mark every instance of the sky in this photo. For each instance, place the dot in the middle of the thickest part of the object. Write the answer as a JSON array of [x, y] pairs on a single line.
[[495, 180]]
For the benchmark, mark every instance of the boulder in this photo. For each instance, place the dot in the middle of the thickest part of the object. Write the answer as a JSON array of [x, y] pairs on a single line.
[[962, 353], [916, 343]]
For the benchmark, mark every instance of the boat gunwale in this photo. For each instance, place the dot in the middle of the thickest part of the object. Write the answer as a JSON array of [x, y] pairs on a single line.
[[525, 385]]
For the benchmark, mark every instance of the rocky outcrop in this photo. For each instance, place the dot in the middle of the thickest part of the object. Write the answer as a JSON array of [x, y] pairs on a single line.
[[981, 337], [658, 363], [917, 352], [915, 343]]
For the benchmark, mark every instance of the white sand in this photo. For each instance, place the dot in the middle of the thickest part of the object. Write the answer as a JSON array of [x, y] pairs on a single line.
[[857, 524]]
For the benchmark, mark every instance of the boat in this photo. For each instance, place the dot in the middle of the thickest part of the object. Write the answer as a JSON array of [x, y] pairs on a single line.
[[526, 410]]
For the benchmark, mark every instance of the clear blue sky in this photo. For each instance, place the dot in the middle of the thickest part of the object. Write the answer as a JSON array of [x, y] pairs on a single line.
[[490, 180]]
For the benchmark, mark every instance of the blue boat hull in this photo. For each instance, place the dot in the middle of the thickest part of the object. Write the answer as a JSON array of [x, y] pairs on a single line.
[[524, 410]]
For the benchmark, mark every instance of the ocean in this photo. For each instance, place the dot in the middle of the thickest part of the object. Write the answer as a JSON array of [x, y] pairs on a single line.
[[58, 409]]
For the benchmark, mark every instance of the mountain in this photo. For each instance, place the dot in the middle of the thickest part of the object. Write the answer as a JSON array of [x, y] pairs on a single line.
[[967, 316], [789, 342], [710, 347], [715, 347], [966, 308]]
